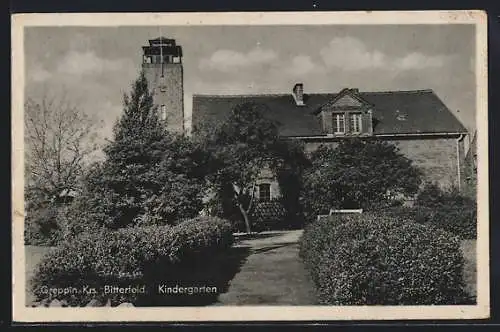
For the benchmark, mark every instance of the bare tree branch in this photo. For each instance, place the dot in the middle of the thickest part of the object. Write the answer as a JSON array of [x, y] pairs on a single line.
[[59, 138]]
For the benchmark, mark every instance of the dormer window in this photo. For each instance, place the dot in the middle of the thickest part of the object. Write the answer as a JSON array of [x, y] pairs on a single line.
[[338, 123], [355, 123], [348, 113]]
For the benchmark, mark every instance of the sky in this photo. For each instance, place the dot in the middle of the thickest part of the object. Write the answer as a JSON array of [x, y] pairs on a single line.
[[93, 67]]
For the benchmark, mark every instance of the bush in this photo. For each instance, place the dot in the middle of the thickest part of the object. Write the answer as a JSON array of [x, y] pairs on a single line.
[[41, 226], [268, 215], [357, 174], [146, 255], [447, 209], [460, 221], [374, 259]]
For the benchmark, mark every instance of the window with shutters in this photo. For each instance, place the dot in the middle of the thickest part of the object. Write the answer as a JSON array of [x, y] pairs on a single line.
[[355, 123], [338, 123]]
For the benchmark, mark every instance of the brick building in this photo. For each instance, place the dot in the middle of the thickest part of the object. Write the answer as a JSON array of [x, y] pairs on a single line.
[[418, 122]]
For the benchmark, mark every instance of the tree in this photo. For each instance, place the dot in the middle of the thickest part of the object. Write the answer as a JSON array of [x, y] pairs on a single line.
[[358, 174], [59, 138], [148, 176], [240, 148]]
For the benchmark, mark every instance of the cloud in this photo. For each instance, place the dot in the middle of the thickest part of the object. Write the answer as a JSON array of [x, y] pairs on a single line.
[[230, 60], [302, 65], [38, 74], [351, 54], [420, 61], [82, 63]]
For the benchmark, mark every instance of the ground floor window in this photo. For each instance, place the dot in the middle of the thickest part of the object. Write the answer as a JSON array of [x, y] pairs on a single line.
[[264, 192]]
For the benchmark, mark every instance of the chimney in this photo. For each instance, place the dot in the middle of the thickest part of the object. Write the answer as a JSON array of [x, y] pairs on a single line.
[[298, 94]]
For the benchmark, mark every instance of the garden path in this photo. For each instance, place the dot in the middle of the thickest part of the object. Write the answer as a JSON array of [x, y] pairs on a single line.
[[272, 274]]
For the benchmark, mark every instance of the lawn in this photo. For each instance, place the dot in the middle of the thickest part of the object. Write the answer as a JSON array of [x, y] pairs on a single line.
[[469, 253], [33, 255]]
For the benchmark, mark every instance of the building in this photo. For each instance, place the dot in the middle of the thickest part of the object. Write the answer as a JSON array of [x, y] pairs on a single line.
[[162, 66], [418, 122], [471, 167]]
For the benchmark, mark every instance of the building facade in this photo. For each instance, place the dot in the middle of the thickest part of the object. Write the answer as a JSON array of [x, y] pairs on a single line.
[[416, 121]]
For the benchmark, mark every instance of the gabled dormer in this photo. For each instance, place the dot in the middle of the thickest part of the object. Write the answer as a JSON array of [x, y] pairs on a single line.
[[347, 114]]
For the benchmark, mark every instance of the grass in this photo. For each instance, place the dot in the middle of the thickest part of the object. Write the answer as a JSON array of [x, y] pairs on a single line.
[[470, 274], [33, 255]]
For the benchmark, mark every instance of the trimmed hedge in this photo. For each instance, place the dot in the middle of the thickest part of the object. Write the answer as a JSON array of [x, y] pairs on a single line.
[[374, 259], [458, 220], [139, 256]]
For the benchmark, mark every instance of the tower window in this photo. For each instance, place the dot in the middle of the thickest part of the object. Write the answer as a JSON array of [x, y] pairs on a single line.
[[264, 192], [163, 112]]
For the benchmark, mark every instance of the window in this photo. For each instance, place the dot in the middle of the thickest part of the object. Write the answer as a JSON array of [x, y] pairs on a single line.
[[163, 112], [355, 123], [162, 85], [338, 123], [264, 192]]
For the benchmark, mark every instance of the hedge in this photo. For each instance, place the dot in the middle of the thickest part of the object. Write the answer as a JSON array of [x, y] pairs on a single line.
[[372, 259], [458, 220], [142, 256]]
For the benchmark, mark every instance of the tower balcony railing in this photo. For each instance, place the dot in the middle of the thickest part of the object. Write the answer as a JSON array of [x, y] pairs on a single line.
[[153, 65]]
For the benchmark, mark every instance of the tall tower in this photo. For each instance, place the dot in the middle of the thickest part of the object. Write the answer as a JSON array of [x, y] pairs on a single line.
[[162, 66]]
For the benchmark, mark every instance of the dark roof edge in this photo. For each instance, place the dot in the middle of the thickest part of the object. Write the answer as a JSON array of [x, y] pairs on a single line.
[[381, 135], [281, 94]]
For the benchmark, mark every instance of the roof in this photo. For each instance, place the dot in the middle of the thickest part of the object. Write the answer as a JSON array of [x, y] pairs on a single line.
[[394, 112]]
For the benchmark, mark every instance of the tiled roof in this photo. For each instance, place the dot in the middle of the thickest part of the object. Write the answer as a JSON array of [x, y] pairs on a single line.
[[395, 112]]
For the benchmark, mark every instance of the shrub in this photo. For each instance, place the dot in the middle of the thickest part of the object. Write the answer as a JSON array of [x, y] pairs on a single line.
[[357, 174], [41, 226], [145, 255], [447, 209], [375, 259], [268, 215], [433, 196], [460, 221]]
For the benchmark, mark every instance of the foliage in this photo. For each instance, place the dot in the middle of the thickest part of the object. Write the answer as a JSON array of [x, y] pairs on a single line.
[[145, 255], [433, 196], [448, 209], [240, 148], [41, 226], [374, 259], [357, 174], [149, 176]]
